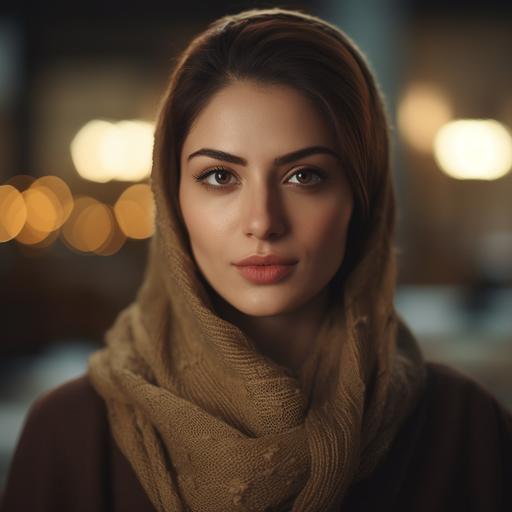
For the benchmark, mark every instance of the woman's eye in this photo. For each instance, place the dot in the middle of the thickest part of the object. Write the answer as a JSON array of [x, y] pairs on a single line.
[[305, 176], [219, 177]]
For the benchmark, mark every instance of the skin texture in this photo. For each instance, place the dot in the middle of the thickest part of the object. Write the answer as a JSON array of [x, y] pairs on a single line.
[[262, 208]]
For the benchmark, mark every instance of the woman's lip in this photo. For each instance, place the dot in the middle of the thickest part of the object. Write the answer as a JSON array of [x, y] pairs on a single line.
[[266, 259], [265, 274]]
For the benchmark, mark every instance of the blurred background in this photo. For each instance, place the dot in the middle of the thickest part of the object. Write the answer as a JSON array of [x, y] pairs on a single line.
[[79, 92]]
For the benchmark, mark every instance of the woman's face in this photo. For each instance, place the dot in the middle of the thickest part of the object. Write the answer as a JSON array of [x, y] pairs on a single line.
[[295, 208]]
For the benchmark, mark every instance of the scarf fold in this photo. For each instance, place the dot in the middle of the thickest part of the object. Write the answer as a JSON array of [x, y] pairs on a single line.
[[210, 424]]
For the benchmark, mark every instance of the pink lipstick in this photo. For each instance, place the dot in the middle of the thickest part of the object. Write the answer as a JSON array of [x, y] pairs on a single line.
[[265, 274], [265, 268]]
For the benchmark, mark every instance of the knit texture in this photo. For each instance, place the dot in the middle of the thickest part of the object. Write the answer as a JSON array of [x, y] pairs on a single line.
[[210, 424]]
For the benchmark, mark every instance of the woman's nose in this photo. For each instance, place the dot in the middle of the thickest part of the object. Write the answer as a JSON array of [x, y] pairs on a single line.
[[263, 215]]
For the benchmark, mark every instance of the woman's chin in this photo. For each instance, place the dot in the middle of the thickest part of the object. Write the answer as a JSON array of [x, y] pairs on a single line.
[[265, 303]]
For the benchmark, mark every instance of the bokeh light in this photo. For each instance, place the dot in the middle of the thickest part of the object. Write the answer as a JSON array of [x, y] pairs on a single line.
[[115, 240], [13, 212], [58, 193], [422, 111], [104, 151], [474, 149], [43, 209], [86, 151], [89, 225], [134, 211], [35, 238], [31, 210], [127, 150]]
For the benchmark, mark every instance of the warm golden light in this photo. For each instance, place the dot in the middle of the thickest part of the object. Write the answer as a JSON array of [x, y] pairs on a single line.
[[43, 213], [85, 151], [89, 226], [474, 149], [421, 112], [34, 237], [37, 211], [68, 232], [94, 226], [103, 151], [127, 150], [58, 193], [43, 209], [135, 211], [115, 240], [13, 212]]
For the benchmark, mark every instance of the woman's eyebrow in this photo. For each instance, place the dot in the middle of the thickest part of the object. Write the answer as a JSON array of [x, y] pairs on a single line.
[[280, 160]]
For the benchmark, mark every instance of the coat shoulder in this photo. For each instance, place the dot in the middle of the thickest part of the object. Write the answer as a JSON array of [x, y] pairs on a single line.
[[62, 452], [453, 390], [454, 452], [73, 402]]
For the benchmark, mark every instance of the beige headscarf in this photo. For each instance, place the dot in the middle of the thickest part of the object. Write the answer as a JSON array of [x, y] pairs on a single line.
[[209, 423]]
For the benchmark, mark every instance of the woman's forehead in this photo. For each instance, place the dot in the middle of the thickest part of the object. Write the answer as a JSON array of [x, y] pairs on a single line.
[[245, 115]]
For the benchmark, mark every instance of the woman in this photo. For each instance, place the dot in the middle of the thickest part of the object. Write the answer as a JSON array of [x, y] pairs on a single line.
[[262, 366]]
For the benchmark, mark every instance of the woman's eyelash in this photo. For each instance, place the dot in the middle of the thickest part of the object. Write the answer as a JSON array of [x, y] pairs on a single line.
[[204, 175], [201, 177]]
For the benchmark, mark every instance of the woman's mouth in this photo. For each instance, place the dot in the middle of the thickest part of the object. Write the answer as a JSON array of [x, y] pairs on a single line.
[[265, 274]]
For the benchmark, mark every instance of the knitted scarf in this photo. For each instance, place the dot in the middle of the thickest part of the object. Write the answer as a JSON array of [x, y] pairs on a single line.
[[210, 424]]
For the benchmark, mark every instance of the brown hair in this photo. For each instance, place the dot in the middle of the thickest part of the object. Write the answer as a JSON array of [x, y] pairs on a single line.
[[279, 46]]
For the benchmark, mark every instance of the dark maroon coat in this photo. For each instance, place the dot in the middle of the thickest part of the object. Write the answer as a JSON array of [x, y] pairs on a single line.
[[453, 453]]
